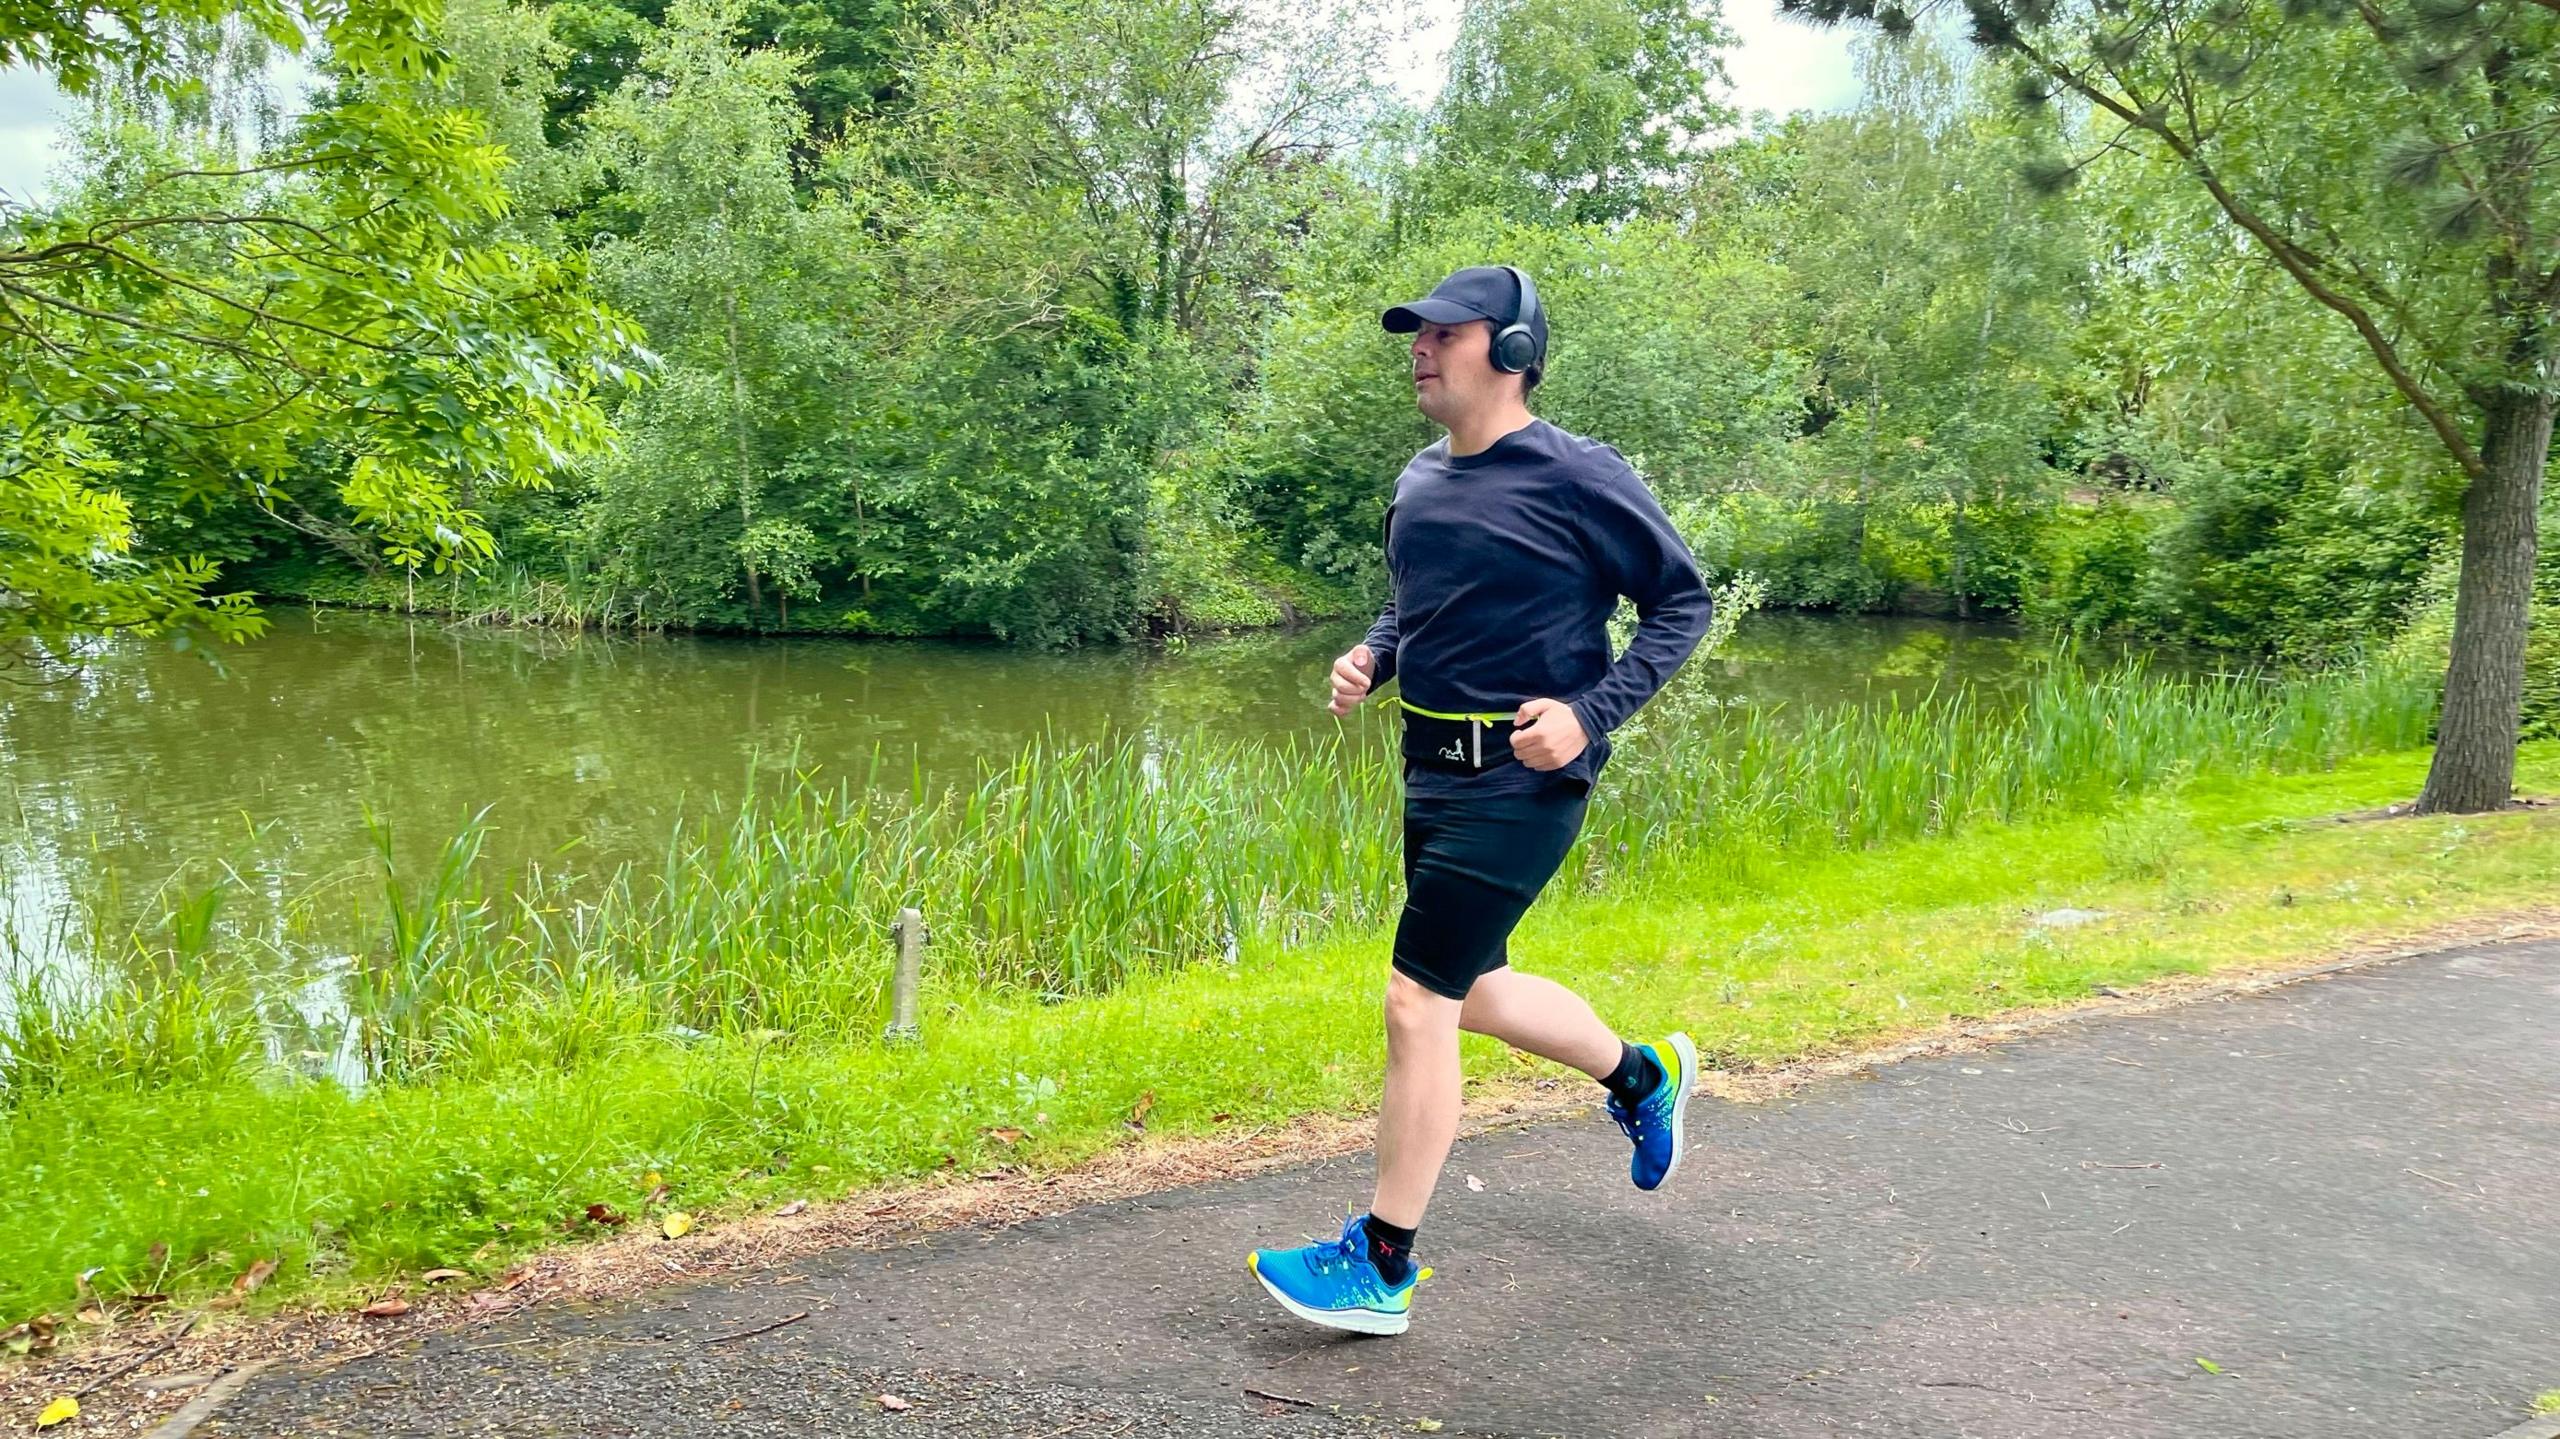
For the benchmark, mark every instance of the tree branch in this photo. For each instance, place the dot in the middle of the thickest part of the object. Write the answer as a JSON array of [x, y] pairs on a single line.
[[118, 229], [244, 307], [2374, 21], [135, 322], [2296, 261], [299, 162]]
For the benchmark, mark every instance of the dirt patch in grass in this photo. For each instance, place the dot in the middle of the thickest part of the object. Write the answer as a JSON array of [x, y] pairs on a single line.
[[127, 1366]]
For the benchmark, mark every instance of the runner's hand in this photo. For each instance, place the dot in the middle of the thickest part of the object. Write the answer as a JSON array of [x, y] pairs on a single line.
[[1351, 679], [1547, 734]]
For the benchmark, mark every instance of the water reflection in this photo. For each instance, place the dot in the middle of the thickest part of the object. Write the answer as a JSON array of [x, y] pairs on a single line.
[[149, 768]]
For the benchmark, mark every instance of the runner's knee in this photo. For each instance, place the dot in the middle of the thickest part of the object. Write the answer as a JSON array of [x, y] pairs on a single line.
[[1415, 1011]]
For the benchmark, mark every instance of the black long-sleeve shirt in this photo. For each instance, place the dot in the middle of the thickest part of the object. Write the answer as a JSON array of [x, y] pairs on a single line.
[[1504, 567]]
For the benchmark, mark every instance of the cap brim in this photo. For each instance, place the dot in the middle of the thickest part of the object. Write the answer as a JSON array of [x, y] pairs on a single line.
[[1405, 319]]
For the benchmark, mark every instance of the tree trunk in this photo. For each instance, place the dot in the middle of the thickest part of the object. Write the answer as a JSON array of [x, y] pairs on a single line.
[[1169, 203], [1955, 570], [862, 537], [746, 459], [2475, 760]]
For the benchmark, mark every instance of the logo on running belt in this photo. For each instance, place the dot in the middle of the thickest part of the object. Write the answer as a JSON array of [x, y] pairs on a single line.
[[1455, 751]]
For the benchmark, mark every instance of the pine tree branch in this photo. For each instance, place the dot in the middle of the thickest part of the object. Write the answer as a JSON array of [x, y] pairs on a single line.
[[2521, 235], [2236, 99], [2303, 265]]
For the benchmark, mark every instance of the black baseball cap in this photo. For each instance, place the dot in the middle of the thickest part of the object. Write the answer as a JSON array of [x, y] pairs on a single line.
[[1478, 292]]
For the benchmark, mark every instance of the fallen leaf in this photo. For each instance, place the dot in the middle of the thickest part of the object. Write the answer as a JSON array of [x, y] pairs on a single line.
[[652, 1180], [390, 1306], [515, 1276], [2207, 1365], [657, 1195], [58, 1411], [892, 1401], [1474, 1184], [34, 1334], [255, 1275], [794, 1207], [1003, 1134], [1138, 1115], [604, 1214], [438, 1276], [1426, 1426], [1220, 1117], [484, 1251], [676, 1225]]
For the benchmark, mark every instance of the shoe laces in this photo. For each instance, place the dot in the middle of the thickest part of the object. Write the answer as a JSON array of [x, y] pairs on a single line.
[[1348, 1253], [1630, 1118]]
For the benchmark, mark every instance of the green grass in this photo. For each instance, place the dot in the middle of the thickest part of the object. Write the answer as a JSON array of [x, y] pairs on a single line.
[[2547, 1402], [1764, 956]]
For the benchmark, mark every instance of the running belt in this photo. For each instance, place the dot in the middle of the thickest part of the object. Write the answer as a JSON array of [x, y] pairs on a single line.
[[1441, 740]]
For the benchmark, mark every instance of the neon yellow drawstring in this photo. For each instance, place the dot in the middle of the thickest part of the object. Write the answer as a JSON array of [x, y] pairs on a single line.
[[1487, 718]]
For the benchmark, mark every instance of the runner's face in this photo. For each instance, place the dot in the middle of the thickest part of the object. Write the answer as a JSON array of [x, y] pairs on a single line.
[[1453, 373]]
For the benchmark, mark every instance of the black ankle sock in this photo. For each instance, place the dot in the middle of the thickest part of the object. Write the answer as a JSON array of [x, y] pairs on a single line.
[[1635, 1077], [1390, 1248]]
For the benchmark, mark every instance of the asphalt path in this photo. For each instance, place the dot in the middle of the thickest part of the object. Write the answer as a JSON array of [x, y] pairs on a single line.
[[2331, 1210]]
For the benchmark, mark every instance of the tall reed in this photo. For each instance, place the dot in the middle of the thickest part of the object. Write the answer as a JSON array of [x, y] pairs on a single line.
[[1077, 864]]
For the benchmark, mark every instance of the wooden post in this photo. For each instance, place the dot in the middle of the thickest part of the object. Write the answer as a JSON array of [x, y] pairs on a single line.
[[909, 933]]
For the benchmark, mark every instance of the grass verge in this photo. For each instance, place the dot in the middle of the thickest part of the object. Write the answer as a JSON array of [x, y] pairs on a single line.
[[1765, 957]]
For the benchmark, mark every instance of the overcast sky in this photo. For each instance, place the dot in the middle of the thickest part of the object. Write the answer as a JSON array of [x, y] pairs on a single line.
[[1781, 65]]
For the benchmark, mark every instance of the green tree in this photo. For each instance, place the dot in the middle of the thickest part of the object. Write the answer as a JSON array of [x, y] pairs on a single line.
[[1675, 352], [1579, 109], [2299, 509], [328, 315], [851, 51], [1942, 295], [731, 276], [1080, 227], [2395, 161]]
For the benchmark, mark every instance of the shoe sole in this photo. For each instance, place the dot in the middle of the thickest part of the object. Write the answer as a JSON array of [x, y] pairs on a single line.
[[1688, 1053], [1355, 1321]]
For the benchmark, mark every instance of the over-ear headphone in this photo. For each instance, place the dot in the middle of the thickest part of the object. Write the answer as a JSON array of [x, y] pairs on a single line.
[[1515, 346]]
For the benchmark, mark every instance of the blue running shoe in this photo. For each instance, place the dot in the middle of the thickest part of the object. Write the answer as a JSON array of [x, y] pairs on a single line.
[[1334, 1284], [1657, 1121]]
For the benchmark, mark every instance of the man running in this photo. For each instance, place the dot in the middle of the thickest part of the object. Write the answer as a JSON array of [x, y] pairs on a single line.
[[1508, 545]]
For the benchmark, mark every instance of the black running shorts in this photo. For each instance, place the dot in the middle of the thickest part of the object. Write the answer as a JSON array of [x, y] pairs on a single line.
[[1472, 864]]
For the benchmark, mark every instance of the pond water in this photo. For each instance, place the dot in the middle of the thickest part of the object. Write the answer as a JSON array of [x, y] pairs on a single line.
[[150, 764]]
